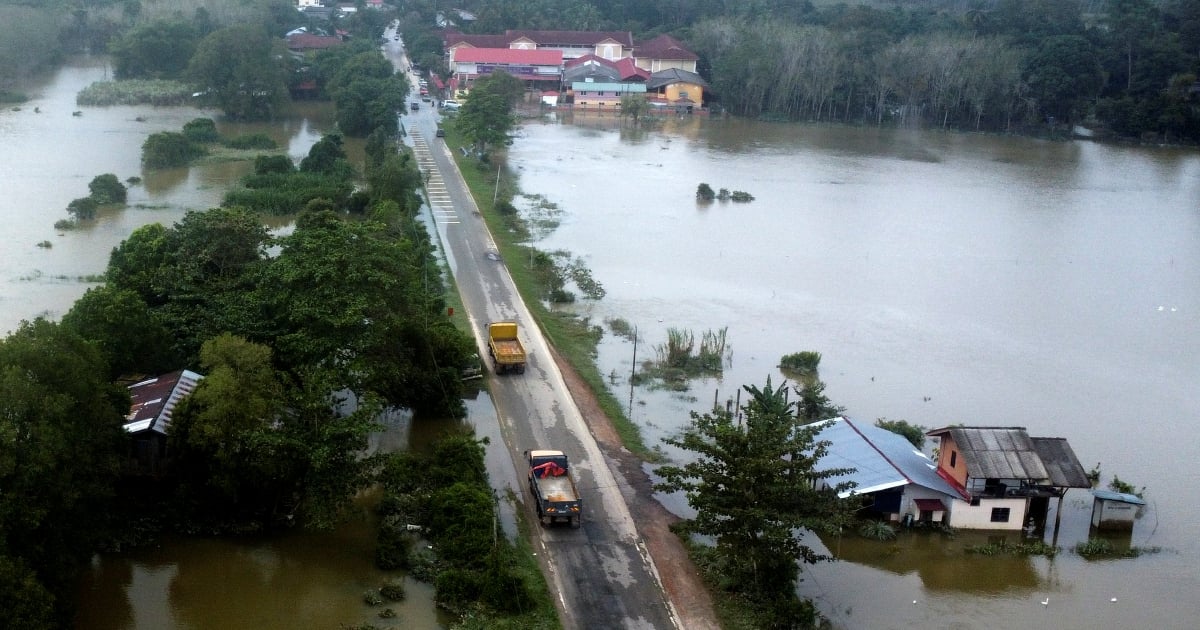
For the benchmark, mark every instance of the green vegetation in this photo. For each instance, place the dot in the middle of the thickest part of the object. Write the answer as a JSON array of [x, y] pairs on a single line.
[[158, 92], [877, 530], [363, 86], [169, 149], [1100, 548], [478, 575], [241, 69], [802, 364], [1032, 548], [252, 142], [704, 192], [1117, 485], [107, 188], [914, 433], [486, 118], [753, 484]]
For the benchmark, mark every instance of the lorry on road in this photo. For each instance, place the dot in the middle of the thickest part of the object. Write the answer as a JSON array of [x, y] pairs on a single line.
[[554, 493], [507, 352]]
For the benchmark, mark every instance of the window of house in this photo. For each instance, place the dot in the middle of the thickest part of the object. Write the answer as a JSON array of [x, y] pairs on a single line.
[[953, 458], [975, 501], [683, 94], [1000, 515]]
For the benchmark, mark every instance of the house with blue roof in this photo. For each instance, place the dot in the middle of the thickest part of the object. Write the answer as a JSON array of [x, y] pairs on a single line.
[[892, 478]]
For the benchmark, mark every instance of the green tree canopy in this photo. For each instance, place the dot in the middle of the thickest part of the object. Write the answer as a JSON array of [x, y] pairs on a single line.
[[753, 484], [242, 71], [486, 118], [107, 188], [124, 329], [155, 50], [60, 440]]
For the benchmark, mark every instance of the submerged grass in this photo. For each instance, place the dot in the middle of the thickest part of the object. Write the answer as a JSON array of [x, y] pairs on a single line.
[[573, 337]]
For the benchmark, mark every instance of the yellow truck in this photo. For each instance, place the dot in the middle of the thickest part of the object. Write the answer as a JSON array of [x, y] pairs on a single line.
[[507, 352]]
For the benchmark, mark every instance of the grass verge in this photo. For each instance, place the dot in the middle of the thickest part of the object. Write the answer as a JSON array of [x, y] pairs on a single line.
[[573, 337]]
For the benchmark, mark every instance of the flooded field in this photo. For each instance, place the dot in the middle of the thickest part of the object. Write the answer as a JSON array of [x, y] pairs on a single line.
[[945, 279]]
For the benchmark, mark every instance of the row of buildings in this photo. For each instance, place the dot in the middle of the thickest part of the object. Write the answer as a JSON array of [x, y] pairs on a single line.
[[581, 69], [987, 478]]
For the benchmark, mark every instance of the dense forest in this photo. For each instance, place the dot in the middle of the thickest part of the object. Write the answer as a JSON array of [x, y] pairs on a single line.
[[1124, 67]]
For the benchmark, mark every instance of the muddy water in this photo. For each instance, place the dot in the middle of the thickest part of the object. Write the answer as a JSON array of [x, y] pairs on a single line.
[[945, 279], [47, 157]]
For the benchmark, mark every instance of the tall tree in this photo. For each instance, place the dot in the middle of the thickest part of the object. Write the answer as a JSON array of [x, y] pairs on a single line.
[[487, 117], [60, 446], [242, 70], [752, 484]]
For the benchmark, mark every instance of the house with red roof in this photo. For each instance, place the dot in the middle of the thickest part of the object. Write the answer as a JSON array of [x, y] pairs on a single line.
[[539, 69], [152, 403]]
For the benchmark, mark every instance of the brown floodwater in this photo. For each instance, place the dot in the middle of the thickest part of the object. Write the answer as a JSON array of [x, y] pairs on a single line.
[[945, 278], [297, 580]]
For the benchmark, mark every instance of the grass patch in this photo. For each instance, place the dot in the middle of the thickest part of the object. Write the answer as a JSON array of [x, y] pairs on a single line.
[[1099, 548], [135, 92], [1035, 548], [573, 337]]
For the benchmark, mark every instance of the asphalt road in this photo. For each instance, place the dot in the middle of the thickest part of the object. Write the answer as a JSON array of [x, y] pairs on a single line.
[[602, 574]]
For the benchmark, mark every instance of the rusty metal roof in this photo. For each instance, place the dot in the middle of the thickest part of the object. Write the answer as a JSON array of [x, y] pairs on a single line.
[[1060, 461], [1009, 453]]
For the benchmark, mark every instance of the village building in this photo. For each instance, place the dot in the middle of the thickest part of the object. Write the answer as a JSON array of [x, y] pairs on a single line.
[[893, 480], [1006, 477], [595, 57], [1115, 511], [152, 402], [538, 69]]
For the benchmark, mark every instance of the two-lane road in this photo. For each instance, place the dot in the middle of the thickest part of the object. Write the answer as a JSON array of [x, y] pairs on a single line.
[[601, 573]]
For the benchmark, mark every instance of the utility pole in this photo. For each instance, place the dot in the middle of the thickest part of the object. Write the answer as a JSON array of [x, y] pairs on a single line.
[[633, 372]]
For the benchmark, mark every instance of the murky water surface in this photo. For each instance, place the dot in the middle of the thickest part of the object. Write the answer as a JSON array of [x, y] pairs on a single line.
[[945, 279]]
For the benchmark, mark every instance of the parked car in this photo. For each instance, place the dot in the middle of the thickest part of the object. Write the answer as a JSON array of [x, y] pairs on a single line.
[[441, 133], [451, 105], [415, 106]]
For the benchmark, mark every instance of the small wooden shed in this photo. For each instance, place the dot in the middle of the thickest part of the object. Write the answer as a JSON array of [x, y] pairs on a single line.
[[1115, 511]]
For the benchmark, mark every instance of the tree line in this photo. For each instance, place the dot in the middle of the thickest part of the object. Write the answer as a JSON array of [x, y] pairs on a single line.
[[303, 339], [1126, 67]]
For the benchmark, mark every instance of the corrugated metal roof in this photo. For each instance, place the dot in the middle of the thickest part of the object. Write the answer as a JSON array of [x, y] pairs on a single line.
[[152, 401], [1060, 462], [999, 453], [1124, 497], [881, 459]]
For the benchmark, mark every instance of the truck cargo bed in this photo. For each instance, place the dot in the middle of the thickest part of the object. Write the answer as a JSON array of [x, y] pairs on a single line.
[[508, 350], [557, 489]]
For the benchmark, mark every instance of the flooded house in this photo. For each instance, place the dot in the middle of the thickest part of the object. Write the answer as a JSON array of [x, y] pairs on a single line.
[[152, 401], [893, 479], [1004, 477]]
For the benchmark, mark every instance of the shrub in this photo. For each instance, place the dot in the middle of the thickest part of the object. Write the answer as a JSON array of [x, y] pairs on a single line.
[[914, 433], [201, 130], [168, 149], [876, 530], [64, 224], [393, 590], [107, 188], [266, 164], [45, 244], [83, 208], [804, 363], [259, 141], [704, 192], [457, 588]]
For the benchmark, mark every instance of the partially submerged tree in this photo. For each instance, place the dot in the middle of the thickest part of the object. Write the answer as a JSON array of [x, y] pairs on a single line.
[[753, 484]]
